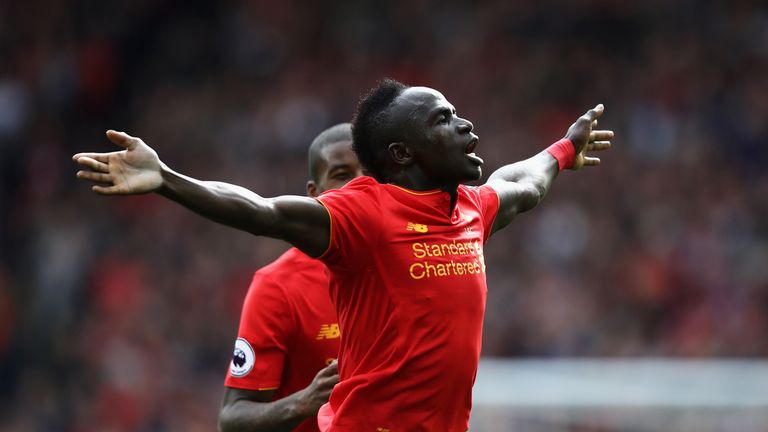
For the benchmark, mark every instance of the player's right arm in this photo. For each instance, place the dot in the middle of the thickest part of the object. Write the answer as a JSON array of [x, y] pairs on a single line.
[[137, 169], [522, 185], [253, 410]]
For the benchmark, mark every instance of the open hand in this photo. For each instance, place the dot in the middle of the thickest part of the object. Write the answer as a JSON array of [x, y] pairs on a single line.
[[135, 170], [585, 139]]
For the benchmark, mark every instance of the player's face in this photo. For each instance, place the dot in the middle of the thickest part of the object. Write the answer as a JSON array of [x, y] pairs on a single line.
[[442, 143], [338, 165]]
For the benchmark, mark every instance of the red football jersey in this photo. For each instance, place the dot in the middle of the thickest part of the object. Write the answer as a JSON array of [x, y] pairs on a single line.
[[408, 283], [288, 329]]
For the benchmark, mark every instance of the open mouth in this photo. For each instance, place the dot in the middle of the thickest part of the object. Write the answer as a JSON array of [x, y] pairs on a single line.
[[471, 146], [470, 151]]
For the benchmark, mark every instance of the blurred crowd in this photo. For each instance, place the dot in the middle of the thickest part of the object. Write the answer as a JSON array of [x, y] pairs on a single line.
[[119, 314]]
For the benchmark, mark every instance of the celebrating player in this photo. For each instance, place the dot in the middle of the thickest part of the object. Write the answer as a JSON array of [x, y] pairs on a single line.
[[404, 247], [288, 327]]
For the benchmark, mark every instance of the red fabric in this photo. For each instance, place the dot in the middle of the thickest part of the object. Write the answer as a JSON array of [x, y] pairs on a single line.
[[408, 282], [564, 152], [290, 323]]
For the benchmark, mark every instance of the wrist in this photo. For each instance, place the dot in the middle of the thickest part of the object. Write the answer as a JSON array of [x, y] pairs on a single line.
[[167, 177], [301, 404], [564, 152]]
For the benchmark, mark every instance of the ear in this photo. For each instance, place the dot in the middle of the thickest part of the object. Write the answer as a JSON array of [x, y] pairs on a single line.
[[400, 153], [311, 189]]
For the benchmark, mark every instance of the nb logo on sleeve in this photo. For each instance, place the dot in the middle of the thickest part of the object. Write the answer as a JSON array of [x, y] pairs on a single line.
[[329, 331], [420, 228]]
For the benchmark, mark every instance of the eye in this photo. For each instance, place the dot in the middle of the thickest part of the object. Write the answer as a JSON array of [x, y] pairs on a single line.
[[443, 119], [342, 175]]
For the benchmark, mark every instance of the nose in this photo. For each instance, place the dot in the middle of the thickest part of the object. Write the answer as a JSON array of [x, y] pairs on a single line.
[[465, 126]]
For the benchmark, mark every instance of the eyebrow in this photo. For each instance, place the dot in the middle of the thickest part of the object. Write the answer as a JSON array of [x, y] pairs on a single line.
[[441, 110], [337, 167]]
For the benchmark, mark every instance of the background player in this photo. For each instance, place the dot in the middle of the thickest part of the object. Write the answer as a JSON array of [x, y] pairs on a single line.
[[288, 326], [411, 138]]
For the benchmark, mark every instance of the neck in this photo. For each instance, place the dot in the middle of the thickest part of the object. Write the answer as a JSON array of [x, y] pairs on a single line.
[[416, 180]]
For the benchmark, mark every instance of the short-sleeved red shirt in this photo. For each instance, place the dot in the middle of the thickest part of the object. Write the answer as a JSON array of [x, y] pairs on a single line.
[[408, 283], [288, 329]]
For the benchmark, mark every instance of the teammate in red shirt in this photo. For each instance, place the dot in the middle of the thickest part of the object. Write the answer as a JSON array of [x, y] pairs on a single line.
[[288, 326], [404, 247]]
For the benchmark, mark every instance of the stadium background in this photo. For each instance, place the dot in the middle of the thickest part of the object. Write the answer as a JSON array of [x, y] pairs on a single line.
[[133, 302]]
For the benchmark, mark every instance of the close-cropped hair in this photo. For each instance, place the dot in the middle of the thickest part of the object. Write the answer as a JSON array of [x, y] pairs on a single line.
[[370, 128], [338, 133]]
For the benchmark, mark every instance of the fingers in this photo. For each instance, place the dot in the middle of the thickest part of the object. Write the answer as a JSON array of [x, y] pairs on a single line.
[[122, 139], [101, 157], [331, 369], [601, 135], [594, 113], [93, 164], [598, 145], [591, 161], [596, 140], [330, 381], [94, 176], [328, 376]]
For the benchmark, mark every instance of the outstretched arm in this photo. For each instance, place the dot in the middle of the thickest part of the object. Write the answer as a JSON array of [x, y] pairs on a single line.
[[137, 169], [246, 410], [522, 185]]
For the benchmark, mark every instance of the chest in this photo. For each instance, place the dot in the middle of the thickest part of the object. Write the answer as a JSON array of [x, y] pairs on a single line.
[[430, 258]]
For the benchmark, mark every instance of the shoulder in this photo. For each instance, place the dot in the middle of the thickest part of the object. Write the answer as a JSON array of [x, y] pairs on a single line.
[[478, 194], [289, 266], [360, 186], [274, 269], [358, 199], [301, 285], [277, 286]]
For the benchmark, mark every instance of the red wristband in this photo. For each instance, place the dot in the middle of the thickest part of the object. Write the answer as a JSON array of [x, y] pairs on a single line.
[[564, 152]]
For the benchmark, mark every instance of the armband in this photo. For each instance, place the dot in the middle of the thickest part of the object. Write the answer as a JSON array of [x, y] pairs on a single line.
[[564, 152]]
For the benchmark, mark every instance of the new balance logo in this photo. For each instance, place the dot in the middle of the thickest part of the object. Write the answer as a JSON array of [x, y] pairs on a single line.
[[329, 331], [420, 228]]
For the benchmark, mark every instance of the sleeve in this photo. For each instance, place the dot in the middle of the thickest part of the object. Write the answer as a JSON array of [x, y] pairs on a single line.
[[266, 326], [488, 203], [355, 227]]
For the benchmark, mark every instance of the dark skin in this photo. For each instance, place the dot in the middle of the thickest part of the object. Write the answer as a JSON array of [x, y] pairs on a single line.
[[337, 165], [255, 410], [434, 153], [431, 127]]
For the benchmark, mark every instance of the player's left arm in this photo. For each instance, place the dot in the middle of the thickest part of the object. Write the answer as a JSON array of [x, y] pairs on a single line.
[[522, 185]]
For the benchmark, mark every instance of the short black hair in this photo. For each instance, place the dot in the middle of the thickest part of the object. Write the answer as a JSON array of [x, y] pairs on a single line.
[[338, 133], [370, 130]]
